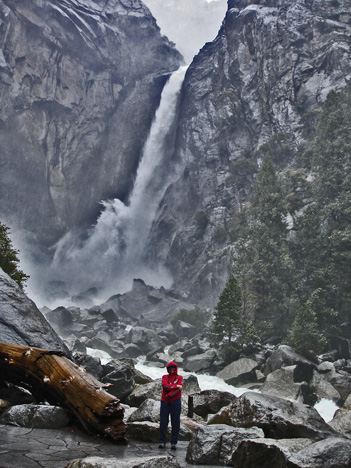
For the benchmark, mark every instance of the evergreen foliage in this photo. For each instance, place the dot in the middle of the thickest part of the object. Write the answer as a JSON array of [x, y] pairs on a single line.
[[9, 257], [228, 312], [322, 248], [263, 264], [304, 334], [295, 279]]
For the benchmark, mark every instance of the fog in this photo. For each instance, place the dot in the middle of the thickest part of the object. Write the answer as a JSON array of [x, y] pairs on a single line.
[[188, 23]]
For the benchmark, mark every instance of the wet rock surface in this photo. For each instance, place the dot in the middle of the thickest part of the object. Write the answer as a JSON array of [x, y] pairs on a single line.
[[38, 448]]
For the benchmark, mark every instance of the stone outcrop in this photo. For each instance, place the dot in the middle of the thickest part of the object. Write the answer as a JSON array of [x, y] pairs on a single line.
[[36, 416], [271, 63], [279, 418], [213, 445], [21, 322], [79, 83]]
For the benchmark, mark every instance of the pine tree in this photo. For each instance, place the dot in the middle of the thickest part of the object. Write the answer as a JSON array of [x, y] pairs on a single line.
[[304, 334], [9, 257], [322, 249], [263, 264], [227, 313]]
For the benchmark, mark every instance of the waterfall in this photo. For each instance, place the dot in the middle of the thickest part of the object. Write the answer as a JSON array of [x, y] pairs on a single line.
[[114, 251]]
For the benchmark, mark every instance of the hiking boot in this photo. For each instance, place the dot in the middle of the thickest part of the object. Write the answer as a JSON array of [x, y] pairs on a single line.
[[162, 446], [173, 447]]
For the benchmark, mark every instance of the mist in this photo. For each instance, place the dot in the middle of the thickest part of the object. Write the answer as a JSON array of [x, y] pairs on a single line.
[[188, 23], [112, 253]]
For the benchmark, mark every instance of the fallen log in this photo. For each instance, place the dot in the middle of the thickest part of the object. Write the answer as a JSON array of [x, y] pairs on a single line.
[[63, 382]]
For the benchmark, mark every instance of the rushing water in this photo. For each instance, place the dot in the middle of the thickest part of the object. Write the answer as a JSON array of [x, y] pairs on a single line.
[[326, 408], [114, 251]]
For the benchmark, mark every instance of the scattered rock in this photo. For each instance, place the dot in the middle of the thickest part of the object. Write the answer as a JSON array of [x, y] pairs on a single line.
[[36, 416], [213, 445]]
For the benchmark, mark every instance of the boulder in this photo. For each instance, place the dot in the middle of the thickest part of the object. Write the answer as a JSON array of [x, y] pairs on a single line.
[[61, 319], [278, 418], [209, 402], [341, 381], [239, 372], [91, 364], [132, 351], [266, 453], [286, 356], [121, 376], [149, 410], [109, 462], [147, 340], [21, 322], [341, 421], [328, 453], [281, 383], [140, 393], [324, 389], [184, 329], [213, 445], [16, 395], [200, 362], [36, 416]]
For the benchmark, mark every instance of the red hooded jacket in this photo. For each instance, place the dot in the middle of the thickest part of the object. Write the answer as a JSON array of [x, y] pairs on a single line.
[[170, 392]]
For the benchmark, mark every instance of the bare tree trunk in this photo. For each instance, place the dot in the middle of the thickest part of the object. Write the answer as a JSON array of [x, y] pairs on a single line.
[[63, 382]]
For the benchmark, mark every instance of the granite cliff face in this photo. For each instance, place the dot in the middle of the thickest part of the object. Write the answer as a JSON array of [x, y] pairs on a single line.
[[272, 63], [79, 85]]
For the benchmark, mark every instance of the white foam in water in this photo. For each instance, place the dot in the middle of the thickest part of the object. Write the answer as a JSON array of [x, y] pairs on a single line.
[[326, 408]]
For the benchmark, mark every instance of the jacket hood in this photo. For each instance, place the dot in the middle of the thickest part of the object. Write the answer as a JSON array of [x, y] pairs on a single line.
[[173, 364]]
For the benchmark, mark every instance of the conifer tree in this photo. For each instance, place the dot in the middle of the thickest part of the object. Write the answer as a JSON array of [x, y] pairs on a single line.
[[322, 249], [304, 334], [263, 264], [228, 312], [9, 257]]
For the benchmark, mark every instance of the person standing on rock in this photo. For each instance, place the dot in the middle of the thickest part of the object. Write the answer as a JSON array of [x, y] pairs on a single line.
[[172, 385]]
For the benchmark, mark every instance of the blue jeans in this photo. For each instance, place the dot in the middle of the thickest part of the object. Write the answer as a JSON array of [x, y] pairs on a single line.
[[173, 410]]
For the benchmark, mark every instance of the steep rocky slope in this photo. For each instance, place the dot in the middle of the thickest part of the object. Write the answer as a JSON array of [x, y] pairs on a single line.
[[79, 84], [272, 63]]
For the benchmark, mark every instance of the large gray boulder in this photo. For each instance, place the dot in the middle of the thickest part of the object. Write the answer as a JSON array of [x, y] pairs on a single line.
[[201, 362], [281, 383], [329, 453], [278, 418], [147, 340], [324, 389], [286, 356], [21, 322], [267, 453], [239, 372], [209, 402], [152, 390], [36, 416], [121, 376], [149, 410], [213, 445]]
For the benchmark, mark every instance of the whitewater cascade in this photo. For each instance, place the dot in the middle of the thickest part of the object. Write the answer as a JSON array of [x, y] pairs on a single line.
[[114, 251]]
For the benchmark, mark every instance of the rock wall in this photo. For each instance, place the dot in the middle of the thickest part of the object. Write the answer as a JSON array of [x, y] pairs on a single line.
[[20, 320], [79, 84], [272, 62]]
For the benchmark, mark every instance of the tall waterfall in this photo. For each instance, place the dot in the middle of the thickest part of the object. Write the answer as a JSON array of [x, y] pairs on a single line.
[[114, 251]]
